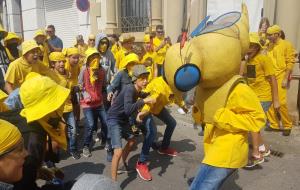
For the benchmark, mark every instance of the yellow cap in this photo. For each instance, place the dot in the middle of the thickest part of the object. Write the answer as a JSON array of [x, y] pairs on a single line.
[[4, 31], [9, 136], [12, 35], [40, 96], [274, 29], [57, 56], [126, 38], [72, 51], [132, 57], [3, 95], [92, 36], [28, 46], [39, 32], [147, 38]]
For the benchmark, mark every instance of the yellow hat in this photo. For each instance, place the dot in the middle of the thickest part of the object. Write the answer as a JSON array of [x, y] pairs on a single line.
[[91, 51], [3, 95], [92, 36], [28, 46], [254, 38], [9, 136], [147, 38], [57, 56], [274, 29], [40, 96], [39, 32], [4, 31], [126, 38], [132, 57], [12, 35], [72, 51]]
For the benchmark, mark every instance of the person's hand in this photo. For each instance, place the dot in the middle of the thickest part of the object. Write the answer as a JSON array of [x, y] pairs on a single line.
[[45, 174], [185, 109], [149, 100], [284, 83], [140, 116], [276, 105], [109, 96]]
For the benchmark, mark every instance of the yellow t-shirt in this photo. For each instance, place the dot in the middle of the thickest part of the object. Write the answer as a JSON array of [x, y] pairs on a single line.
[[283, 56], [258, 69], [18, 70], [150, 56], [226, 140], [161, 54]]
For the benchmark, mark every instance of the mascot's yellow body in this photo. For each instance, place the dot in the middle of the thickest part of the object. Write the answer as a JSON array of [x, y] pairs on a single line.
[[227, 105]]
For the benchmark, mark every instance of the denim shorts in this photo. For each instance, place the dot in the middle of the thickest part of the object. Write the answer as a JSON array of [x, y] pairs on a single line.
[[117, 132]]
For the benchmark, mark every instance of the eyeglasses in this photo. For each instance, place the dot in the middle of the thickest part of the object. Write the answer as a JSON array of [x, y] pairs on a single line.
[[19, 148], [49, 31]]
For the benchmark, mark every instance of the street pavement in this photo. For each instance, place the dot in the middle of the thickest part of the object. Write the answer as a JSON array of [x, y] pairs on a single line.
[[281, 171]]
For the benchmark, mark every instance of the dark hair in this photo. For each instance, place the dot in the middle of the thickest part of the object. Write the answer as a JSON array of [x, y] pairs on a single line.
[[159, 27], [115, 36], [282, 35], [264, 20], [51, 26]]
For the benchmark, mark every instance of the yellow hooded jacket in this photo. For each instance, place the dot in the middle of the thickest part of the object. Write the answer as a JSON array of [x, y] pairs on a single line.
[[161, 91]]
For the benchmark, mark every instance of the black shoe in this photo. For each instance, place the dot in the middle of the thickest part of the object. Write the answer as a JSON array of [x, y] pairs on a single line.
[[75, 155], [286, 132]]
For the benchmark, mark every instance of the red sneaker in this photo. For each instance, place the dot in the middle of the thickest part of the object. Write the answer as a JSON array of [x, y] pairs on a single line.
[[143, 171], [168, 151]]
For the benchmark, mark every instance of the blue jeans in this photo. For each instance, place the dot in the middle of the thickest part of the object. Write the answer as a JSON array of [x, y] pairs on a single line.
[[91, 118], [266, 105], [149, 137], [210, 177], [71, 130], [117, 131], [168, 119]]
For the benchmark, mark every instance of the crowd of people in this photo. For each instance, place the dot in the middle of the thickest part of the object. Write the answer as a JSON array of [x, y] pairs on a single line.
[[119, 87]]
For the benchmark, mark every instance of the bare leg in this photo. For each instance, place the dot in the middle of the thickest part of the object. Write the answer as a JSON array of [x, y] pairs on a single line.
[[115, 163], [128, 148]]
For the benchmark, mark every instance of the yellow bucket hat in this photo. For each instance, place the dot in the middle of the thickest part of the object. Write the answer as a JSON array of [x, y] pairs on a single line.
[[57, 56], [89, 52], [126, 38], [4, 31], [254, 38], [39, 32], [273, 29], [9, 136], [132, 57], [40, 96], [12, 35], [147, 38], [72, 51], [28, 46]]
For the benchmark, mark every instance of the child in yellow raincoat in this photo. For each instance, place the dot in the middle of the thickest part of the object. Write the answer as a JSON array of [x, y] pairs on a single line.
[[58, 60]]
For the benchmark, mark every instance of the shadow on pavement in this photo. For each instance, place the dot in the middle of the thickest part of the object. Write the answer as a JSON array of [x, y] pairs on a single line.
[[75, 170], [230, 182]]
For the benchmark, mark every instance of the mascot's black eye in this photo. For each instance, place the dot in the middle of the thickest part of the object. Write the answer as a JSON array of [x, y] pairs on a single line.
[[187, 77]]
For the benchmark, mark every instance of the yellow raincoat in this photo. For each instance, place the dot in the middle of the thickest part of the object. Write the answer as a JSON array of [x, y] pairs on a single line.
[[3, 107], [283, 57], [11, 36], [163, 94]]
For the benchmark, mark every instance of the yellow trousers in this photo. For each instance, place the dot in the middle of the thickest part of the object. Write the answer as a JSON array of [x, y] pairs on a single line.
[[285, 118]]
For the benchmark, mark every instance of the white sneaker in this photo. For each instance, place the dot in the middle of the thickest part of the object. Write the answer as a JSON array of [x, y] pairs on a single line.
[[180, 111]]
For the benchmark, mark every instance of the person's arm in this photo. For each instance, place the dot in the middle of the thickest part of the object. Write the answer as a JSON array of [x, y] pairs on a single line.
[[129, 105], [290, 60], [274, 89], [155, 70], [242, 68], [115, 83], [9, 87]]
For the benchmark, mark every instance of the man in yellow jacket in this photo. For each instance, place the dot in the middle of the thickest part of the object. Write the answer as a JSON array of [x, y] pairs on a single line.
[[150, 58], [162, 93], [283, 56], [11, 43], [127, 45]]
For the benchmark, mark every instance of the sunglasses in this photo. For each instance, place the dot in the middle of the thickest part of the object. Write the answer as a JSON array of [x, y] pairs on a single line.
[[92, 40]]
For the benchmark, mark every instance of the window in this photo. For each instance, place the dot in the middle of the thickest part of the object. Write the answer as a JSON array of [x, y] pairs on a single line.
[[135, 15]]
